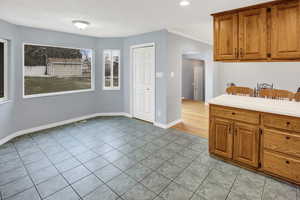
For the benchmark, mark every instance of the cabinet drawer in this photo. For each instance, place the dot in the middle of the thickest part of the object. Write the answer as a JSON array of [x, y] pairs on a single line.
[[239, 115], [282, 142], [282, 165], [281, 122]]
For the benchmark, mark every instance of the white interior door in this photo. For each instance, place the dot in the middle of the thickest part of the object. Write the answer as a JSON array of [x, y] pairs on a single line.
[[143, 83], [198, 83]]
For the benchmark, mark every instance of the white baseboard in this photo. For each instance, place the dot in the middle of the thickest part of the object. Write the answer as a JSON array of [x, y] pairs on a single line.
[[169, 125], [56, 124]]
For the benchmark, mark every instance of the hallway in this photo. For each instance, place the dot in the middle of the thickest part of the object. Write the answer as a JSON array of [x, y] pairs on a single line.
[[195, 116]]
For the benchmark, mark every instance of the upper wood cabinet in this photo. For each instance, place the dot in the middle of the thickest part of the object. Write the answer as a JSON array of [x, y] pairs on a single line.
[[226, 38], [285, 39], [253, 34], [265, 32]]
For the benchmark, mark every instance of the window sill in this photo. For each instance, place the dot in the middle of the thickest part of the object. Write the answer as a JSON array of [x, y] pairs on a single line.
[[112, 89], [4, 101], [56, 94]]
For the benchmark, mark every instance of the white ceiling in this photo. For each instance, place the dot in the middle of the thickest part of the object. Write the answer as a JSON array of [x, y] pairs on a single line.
[[118, 18]]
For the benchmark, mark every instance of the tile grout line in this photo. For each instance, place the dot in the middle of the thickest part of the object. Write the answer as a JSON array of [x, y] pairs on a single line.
[[265, 182], [87, 169], [230, 190], [173, 180], [29, 175], [195, 192], [137, 162], [59, 173]]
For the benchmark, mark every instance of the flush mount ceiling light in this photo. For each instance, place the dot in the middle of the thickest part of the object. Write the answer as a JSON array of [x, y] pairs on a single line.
[[184, 3], [80, 24]]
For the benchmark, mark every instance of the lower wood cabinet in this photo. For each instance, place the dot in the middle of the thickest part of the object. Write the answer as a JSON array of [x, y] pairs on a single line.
[[266, 142], [246, 143], [282, 165], [222, 137]]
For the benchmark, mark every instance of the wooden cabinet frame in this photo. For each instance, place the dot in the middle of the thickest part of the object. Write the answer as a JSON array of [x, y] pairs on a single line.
[[226, 46], [243, 142], [268, 32]]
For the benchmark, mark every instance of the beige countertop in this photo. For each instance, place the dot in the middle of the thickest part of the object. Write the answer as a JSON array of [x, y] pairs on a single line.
[[282, 107]]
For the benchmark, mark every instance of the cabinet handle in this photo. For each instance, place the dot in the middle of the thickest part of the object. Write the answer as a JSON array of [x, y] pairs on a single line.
[[241, 52], [233, 113], [287, 162], [236, 53], [287, 137], [288, 123]]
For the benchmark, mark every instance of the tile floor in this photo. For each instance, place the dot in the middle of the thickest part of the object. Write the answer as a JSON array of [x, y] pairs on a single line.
[[124, 159]]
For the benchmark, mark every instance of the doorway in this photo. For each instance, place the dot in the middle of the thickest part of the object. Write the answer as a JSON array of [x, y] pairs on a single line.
[[193, 79], [143, 82], [194, 111]]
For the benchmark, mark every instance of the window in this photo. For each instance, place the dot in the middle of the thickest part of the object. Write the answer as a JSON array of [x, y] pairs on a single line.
[[111, 70], [52, 70], [3, 70]]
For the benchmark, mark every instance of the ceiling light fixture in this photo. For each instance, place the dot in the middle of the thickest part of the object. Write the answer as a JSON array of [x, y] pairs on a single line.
[[80, 24], [184, 3]]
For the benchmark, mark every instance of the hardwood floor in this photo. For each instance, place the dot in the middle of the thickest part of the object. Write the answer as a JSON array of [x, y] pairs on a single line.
[[195, 116]]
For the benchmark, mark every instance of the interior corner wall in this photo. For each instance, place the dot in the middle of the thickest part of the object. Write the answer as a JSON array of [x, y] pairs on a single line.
[[21, 114], [109, 101], [160, 40], [8, 32], [284, 75], [177, 46]]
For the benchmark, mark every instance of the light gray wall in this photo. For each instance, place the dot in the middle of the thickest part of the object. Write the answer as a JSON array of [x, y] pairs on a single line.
[[160, 40], [188, 77], [8, 32], [178, 46], [109, 100], [20, 114], [39, 111], [284, 75]]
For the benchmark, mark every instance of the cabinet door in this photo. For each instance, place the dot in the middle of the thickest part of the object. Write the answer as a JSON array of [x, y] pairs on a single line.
[[253, 34], [222, 138], [246, 143], [226, 37], [285, 40]]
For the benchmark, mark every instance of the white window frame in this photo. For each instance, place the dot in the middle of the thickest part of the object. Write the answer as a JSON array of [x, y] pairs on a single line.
[[112, 87], [64, 92], [5, 98]]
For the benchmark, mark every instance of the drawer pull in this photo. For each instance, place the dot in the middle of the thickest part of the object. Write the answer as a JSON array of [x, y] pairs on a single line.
[[287, 162], [288, 123], [287, 137], [233, 113]]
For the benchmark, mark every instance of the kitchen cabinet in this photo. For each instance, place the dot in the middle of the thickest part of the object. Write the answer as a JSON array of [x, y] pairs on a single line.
[[253, 34], [226, 38], [264, 142], [265, 32], [285, 39], [222, 137], [246, 143]]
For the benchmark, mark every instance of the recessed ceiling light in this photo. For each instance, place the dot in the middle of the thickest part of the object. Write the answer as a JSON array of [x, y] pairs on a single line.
[[184, 3], [80, 24]]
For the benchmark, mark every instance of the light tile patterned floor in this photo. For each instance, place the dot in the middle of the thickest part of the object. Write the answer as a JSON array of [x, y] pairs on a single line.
[[117, 158]]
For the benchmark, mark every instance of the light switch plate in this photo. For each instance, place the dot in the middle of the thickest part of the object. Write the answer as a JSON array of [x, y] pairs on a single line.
[[159, 74]]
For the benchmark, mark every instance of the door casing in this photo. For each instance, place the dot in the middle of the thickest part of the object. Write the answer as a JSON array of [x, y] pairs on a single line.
[[132, 79]]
